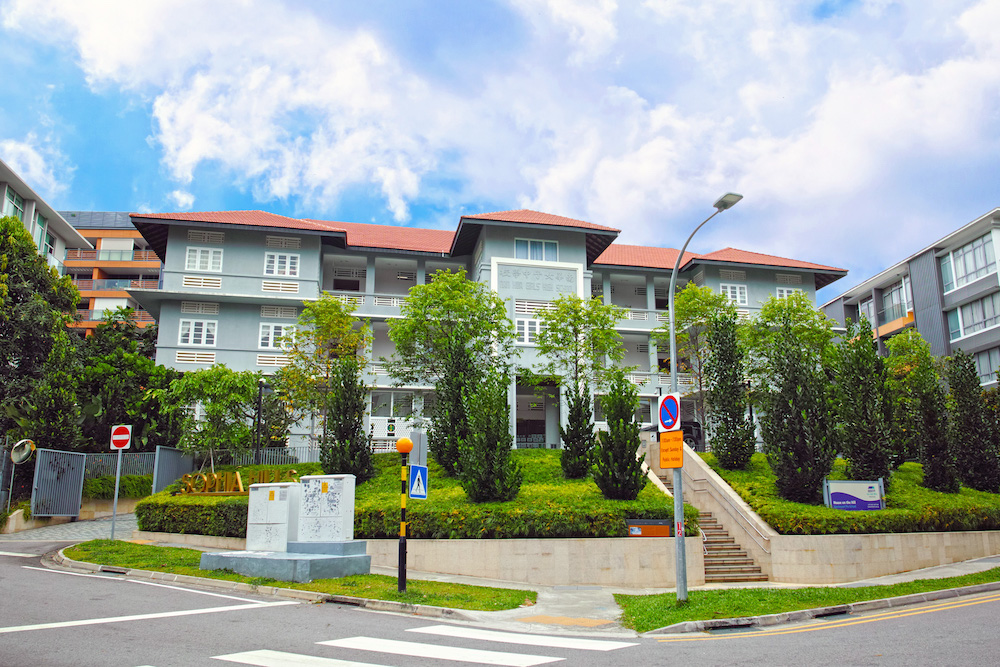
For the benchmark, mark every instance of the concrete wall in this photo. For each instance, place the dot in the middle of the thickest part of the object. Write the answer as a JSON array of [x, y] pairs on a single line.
[[629, 562]]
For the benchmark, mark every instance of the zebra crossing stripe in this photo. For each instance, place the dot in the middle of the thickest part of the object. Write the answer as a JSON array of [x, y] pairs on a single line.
[[435, 652], [265, 658], [522, 639]]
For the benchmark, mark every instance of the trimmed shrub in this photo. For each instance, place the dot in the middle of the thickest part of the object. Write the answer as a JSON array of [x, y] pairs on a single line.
[[617, 472], [131, 486], [578, 437], [970, 431]]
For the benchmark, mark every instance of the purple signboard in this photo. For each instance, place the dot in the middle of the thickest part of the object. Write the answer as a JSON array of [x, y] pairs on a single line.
[[854, 495]]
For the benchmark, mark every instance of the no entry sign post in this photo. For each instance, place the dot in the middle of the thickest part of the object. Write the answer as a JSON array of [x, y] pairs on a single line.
[[121, 439]]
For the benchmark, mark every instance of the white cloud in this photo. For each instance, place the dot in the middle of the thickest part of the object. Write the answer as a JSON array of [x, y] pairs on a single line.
[[589, 25], [39, 163], [181, 199]]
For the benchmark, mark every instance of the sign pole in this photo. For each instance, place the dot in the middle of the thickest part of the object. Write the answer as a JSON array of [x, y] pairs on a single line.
[[669, 425], [114, 508], [403, 446]]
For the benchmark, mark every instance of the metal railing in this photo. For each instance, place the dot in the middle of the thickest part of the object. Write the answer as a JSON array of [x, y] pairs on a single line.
[[98, 315], [892, 313], [77, 254], [133, 463], [706, 487], [115, 284]]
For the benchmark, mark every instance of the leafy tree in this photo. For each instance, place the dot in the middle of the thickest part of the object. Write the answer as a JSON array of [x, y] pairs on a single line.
[[120, 331], [577, 340], [863, 405], [228, 400], [486, 471], [617, 471], [49, 414], [694, 308], [969, 427], [452, 331], [919, 410], [33, 300], [733, 437], [798, 438], [327, 358]]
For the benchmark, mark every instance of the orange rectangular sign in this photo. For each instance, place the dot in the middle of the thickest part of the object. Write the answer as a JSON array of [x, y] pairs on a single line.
[[672, 449]]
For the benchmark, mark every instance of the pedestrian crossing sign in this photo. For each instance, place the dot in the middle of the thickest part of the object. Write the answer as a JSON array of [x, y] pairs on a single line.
[[418, 482]]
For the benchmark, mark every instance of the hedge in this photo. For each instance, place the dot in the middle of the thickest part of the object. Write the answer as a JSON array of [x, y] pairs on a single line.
[[131, 486], [547, 506], [910, 508]]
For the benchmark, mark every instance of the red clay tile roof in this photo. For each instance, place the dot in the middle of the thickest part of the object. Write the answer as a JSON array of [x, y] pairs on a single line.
[[249, 218], [528, 216], [362, 235], [619, 254], [737, 256]]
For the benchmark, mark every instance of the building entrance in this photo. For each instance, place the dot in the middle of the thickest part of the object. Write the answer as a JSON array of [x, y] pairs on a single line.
[[537, 417]]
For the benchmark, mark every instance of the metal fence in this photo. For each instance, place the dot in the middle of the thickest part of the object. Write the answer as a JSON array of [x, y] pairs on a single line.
[[270, 456], [133, 463], [58, 483], [170, 465]]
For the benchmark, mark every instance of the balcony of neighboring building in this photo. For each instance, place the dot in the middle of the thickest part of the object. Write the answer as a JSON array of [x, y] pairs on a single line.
[[111, 258], [90, 317], [894, 319], [642, 311]]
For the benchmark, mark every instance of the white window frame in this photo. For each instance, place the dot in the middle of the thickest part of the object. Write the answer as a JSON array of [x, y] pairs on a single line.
[[188, 327], [270, 327], [978, 361], [987, 323], [193, 259], [526, 330], [784, 292], [284, 264], [543, 243], [736, 293], [970, 249]]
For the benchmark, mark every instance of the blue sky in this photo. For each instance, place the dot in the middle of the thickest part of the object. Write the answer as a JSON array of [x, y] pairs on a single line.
[[858, 131]]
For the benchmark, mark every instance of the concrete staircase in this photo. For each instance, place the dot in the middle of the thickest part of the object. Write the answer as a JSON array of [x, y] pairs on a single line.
[[725, 560]]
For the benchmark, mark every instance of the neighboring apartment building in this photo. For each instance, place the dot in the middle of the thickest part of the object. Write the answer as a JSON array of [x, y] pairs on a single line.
[[232, 282], [120, 260], [51, 233], [948, 291]]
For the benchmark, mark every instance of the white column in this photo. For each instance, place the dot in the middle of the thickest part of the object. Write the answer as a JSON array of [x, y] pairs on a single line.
[[370, 276]]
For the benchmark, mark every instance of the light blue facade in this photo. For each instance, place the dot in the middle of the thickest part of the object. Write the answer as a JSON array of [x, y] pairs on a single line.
[[227, 290]]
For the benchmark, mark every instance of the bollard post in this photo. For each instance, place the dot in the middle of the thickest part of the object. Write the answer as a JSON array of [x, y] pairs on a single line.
[[403, 446]]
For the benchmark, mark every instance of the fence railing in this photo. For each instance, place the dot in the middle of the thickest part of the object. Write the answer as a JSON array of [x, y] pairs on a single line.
[[112, 255], [133, 463], [98, 315], [115, 284]]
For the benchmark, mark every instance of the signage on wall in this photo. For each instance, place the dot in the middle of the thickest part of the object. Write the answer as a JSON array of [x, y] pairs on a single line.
[[854, 495]]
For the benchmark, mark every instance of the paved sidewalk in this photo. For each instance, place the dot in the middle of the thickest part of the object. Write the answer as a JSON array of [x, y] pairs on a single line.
[[78, 531]]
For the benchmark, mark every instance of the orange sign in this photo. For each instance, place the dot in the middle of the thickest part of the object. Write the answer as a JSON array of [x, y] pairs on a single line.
[[672, 449]]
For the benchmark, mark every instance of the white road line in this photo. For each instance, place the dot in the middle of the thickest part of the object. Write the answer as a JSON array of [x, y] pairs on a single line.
[[522, 638], [136, 581], [440, 652], [142, 617], [17, 555], [265, 658]]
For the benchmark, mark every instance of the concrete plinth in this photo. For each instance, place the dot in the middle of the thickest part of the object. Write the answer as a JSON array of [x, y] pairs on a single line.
[[303, 562]]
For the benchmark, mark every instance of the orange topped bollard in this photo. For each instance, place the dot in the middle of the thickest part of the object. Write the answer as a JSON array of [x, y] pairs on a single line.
[[404, 446]]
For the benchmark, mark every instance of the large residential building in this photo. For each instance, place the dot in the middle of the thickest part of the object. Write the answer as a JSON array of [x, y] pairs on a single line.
[[120, 259], [948, 291], [232, 282], [51, 233]]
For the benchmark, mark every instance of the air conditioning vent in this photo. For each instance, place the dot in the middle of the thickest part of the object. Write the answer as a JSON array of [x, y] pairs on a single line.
[[788, 279], [202, 282], [285, 312], [199, 308], [186, 357], [279, 286], [730, 274], [640, 291], [642, 347], [201, 236], [273, 360], [290, 242], [406, 275], [525, 307]]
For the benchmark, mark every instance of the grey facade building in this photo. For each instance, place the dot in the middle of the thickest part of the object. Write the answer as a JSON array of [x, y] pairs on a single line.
[[232, 282], [948, 291]]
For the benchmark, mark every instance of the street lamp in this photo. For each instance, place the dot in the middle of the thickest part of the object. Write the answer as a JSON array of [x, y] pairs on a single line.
[[724, 202], [262, 389]]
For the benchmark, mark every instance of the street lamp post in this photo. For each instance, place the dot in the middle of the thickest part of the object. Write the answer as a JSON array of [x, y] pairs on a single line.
[[724, 202], [262, 388]]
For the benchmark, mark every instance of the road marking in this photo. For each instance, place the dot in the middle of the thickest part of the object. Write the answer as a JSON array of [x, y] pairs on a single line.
[[832, 625], [522, 639], [144, 583], [440, 652], [266, 658], [17, 555], [142, 617]]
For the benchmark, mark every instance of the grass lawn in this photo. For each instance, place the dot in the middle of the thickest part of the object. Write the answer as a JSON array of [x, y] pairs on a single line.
[[372, 586], [909, 506], [649, 612]]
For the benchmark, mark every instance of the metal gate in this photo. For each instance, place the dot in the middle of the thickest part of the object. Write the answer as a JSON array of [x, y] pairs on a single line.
[[170, 464], [58, 485]]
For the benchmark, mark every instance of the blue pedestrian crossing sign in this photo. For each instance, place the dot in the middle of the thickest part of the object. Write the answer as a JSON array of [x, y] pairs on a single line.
[[418, 482], [668, 413]]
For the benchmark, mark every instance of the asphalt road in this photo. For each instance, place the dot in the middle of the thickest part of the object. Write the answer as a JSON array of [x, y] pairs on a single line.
[[48, 617]]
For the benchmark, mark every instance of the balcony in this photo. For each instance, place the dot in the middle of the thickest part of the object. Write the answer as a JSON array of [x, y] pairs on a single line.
[[78, 255], [110, 284], [372, 305], [98, 315], [894, 318]]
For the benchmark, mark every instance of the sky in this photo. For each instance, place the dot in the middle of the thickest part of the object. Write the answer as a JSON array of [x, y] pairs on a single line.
[[858, 131]]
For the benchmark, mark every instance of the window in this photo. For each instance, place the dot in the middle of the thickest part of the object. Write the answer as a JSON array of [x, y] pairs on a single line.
[[203, 259], [527, 330], [546, 251], [392, 404], [50, 243], [894, 302], [970, 262], [784, 292], [278, 264], [866, 309], [270, 333], [13, 205], [736, 293], [198, 332], [987, 364], [975, 316]]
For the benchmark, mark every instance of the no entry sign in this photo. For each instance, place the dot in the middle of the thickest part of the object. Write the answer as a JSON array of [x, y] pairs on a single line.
[[121, 437]]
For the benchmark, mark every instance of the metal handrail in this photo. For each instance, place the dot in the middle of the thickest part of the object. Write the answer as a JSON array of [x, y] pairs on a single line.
[[729, 504]]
